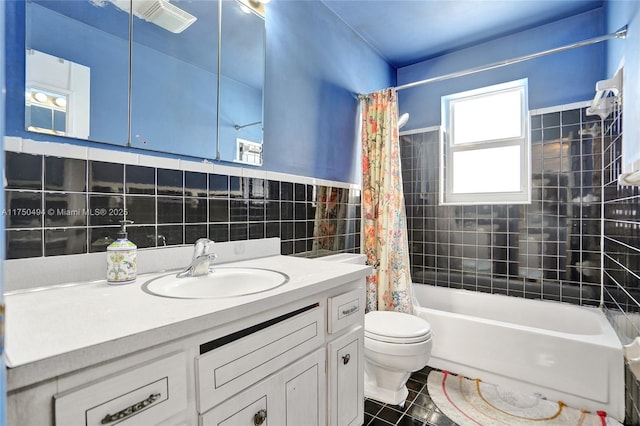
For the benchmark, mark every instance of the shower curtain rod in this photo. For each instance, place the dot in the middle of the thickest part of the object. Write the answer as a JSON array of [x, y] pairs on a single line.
[[621, 34]]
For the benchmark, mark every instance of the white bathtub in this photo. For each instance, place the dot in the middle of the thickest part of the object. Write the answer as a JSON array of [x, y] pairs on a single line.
[[567, 353]]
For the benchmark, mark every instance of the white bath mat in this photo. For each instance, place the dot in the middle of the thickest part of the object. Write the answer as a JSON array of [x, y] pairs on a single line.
[[475, 403]]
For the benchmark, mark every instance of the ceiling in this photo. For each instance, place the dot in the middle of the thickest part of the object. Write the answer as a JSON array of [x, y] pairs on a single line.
[[405, 32]]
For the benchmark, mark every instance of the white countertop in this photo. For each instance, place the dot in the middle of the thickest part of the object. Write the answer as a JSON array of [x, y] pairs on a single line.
[[61, 329]]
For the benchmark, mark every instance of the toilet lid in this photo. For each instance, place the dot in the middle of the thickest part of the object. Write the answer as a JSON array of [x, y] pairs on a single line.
[[396, 327]]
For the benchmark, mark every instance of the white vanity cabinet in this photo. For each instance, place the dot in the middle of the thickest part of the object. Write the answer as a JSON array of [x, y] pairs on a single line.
[[294, 358], [323, 388]]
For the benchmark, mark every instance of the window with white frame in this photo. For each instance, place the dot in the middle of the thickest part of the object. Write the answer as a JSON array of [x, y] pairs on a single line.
[[485, 150]]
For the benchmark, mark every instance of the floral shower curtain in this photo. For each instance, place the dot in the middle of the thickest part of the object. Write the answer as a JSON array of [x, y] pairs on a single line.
[[384, 228]]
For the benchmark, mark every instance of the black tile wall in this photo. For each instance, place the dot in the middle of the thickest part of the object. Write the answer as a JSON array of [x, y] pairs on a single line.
[[65, 174], [140, 180], [170, 182], [549, 249], [23, 171], [57, 206], [622, 228], [218, 185], [106, 177], [195, 184], [621, 253]]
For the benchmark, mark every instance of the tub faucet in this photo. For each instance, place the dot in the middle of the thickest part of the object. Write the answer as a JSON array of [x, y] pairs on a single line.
[[202, 258]]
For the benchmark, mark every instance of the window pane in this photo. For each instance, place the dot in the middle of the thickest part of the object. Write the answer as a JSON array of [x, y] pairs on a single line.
[[41, 117], [486, 170], [487, 117], [59, 121]]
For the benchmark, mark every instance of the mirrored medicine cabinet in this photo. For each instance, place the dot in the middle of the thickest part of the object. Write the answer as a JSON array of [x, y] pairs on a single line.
[[183, 77]]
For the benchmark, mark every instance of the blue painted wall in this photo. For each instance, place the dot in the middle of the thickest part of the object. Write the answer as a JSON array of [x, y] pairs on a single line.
[[620, 13], [242, 106], [315, 66], [3, 392], [555, 79], [163, 117]]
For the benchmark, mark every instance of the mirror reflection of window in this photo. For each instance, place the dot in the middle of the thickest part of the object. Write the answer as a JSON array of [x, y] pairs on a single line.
[[57, 95], [46, 111], [81, 49], [249, 152]]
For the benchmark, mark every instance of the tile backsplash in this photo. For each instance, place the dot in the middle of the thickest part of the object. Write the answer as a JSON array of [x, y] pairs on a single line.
[[58, 206]]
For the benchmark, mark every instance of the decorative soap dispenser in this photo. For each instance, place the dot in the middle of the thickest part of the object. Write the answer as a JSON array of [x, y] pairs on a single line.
[[122, 258]]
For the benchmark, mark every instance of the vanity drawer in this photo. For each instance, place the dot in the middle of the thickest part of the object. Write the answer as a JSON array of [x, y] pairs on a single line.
[[345, 309], [243, 361], [145, 395]]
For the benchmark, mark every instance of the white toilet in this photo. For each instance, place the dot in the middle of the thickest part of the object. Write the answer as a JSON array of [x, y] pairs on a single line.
[[395, 345]]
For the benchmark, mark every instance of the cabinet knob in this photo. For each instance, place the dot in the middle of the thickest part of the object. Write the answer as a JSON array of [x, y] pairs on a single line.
[[346, 358], [259, 417]]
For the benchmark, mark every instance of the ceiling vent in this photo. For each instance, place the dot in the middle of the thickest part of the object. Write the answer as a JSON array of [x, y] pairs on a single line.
[[160, 12]]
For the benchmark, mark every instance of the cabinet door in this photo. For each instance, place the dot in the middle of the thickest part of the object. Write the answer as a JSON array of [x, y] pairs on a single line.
[[229, 369], [293, 396], [346, 379], [305, 392]]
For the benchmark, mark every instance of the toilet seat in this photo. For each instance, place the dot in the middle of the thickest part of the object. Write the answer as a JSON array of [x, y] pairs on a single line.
[[396, 327]]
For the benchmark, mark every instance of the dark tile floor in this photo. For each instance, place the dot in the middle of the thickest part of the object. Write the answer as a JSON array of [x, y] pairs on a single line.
[[418, 410]]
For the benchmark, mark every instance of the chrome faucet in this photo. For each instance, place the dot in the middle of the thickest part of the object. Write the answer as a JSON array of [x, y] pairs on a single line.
[[202, 258]]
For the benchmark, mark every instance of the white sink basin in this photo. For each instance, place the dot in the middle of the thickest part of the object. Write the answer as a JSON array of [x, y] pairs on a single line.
[[222, 282]]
